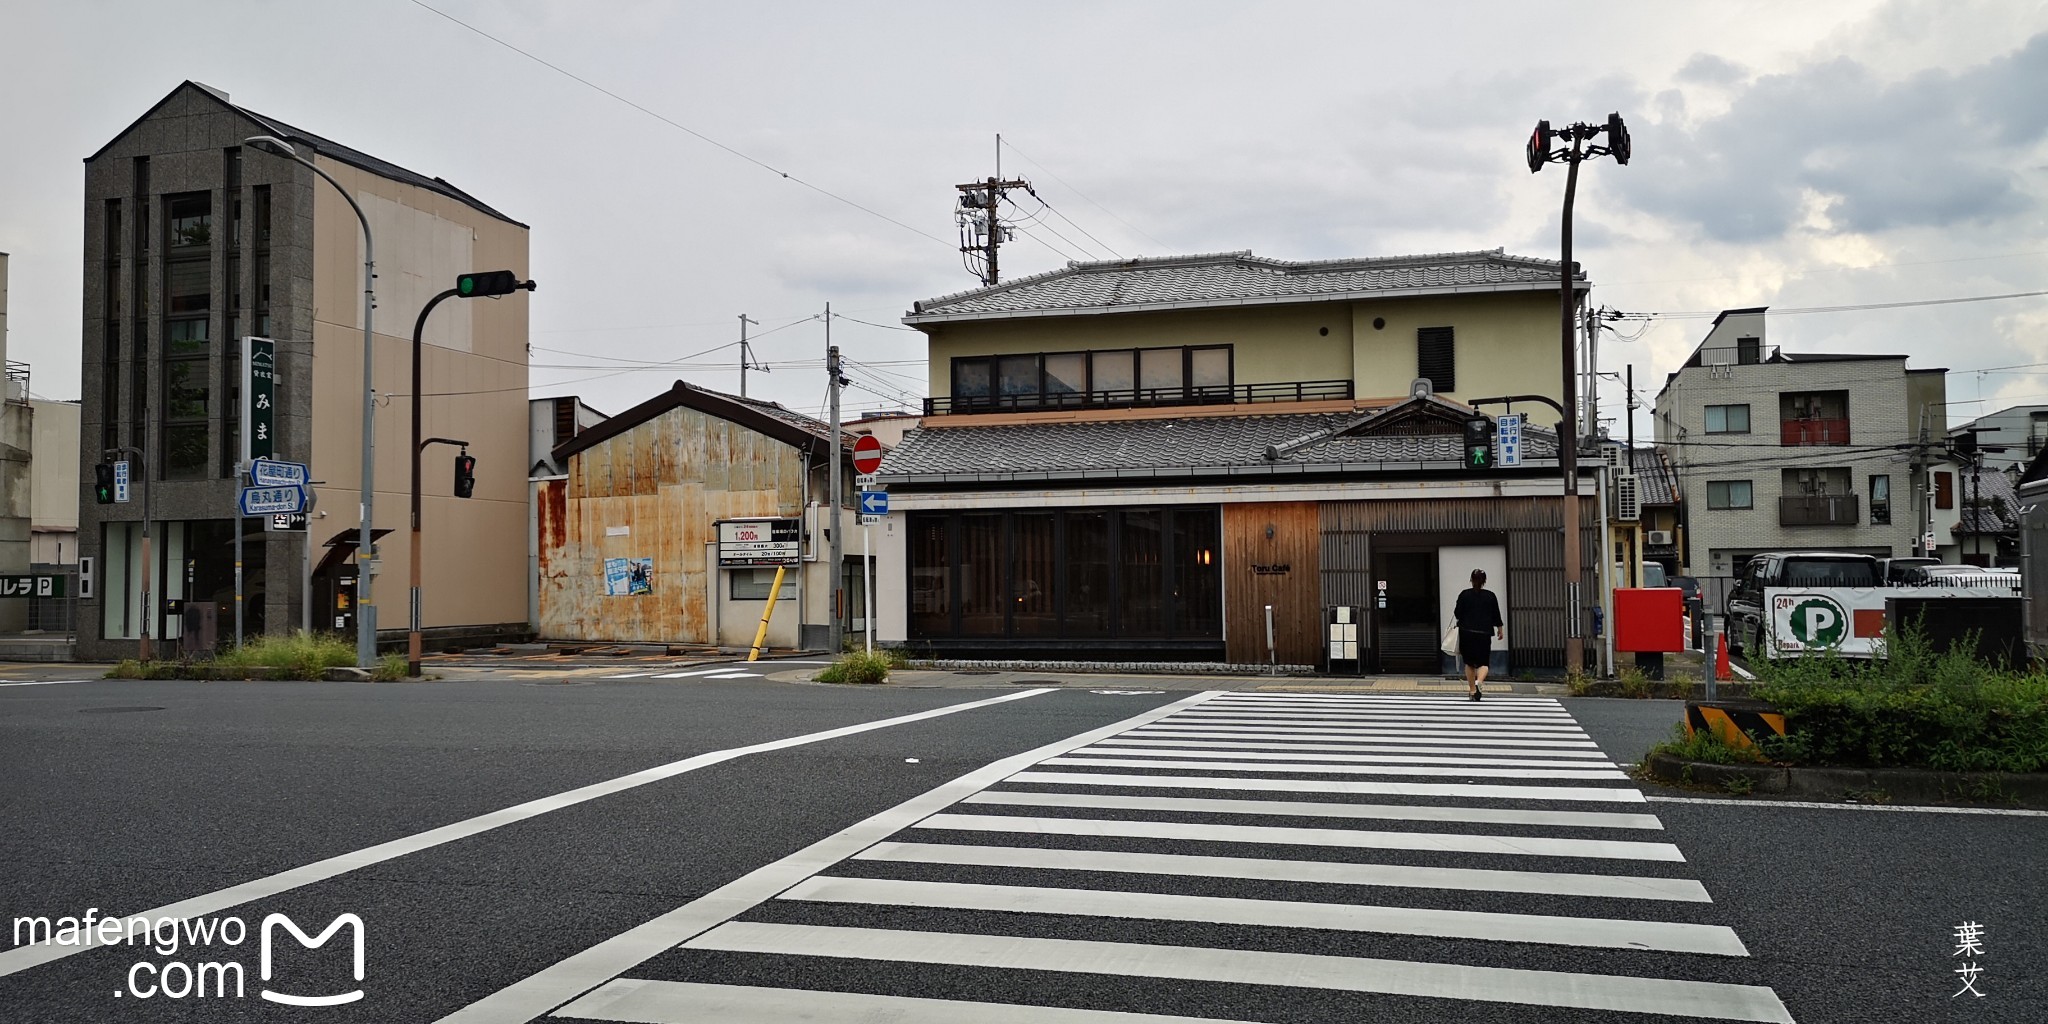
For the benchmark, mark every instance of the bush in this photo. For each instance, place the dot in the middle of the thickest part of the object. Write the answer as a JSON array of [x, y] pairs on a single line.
[[1633, 683], [1913, 707], [1704, 745], [861, 668], [129, 668], [303, 655], [391, 668], [1577, 683]]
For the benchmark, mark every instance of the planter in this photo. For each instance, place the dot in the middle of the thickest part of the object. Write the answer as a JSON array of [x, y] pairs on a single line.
[[1738, 721], [1877, 785]]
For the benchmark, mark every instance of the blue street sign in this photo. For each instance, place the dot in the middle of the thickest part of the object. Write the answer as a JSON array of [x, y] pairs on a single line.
[[1509, 437], [874, 503], [264, 501], [121, 481], [272, 473]]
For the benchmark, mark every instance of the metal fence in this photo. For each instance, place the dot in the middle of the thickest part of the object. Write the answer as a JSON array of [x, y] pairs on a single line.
[[55, 614]]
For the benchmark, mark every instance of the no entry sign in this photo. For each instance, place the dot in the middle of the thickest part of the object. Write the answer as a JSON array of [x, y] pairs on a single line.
[[867, 454]]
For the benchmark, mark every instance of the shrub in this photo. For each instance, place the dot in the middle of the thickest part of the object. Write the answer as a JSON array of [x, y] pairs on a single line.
[[390, 669], [861, 668], [1633, 682], [302, 655], [1914, 707], [1577, 683], [129, 668], [1704, 745]]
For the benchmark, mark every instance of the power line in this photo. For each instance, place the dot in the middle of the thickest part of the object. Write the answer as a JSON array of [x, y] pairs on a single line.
[[1049, 229], [1062, 215], [1063, 182], [764, 165], [1796, 310]]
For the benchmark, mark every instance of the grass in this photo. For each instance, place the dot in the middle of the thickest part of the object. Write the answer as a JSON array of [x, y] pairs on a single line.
[[303, 655], [862, 668], [1577, 683], [1633, 682], [1704, 745], [391, 668]]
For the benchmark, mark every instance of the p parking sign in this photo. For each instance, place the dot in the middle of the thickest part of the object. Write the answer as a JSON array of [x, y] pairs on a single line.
[[1811, 620]]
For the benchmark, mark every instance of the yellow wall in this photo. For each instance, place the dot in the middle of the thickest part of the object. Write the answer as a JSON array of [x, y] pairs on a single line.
[[1506, 343], [477, 346]]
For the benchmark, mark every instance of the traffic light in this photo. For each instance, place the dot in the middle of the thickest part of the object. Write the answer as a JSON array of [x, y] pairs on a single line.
[[1617, 139], [489, 282], [103, 483], [1478, 443], [1538, 147], [465, 475]]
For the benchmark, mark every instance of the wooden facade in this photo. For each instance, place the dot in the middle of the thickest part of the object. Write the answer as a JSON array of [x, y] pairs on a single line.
[[1270, 558]]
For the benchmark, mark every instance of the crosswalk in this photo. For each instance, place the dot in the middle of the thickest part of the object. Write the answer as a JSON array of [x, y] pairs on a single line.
[[1276, 858]]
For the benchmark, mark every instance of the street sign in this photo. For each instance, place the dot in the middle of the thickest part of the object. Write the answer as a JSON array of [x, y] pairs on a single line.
[[272, 473], [288, 522], [121, 482], [1926, 540], [259, 393], [874, 503], [865, 482], [1509, 438], [263, 501], [744, 542], [867, 454], [32, 585], [872, 520]]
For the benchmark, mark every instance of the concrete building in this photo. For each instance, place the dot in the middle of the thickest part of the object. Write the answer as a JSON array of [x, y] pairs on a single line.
[[17, 425], [1143, 459], [53, 503], [671, 519], [1779, 451], [192, 242], [2010, 438], [552, 423]]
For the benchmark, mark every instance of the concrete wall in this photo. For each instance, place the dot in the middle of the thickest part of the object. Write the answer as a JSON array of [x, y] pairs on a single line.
[[2007, 428], [53, 506]]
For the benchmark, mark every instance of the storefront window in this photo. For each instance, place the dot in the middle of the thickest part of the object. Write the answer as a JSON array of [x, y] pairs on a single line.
[[1198, 599], [1087, 589], [1031, 575], [931, 601], [981, 575]]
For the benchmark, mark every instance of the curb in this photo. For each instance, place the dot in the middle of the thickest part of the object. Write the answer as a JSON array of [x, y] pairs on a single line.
[[1870, 785]]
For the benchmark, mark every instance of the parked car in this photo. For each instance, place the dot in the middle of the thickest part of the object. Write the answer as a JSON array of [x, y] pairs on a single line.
[[1896, 569], [1959, 576], [1748, 619]]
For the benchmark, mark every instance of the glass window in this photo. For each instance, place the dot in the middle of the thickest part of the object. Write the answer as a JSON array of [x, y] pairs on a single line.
[[1066, 373], [189, 288], [1436, 357], [190, 219], [1086, 557], [1728, 419], [931, 573], [1031, 575], [112, 291], [184, 337], [1880, 500], [113, 230], [1160, 368], [263, 284], [1729, 494], [1198, 597], [1113, 372], [185, 390], [1018, 376], [184, 451], [262, 215], [981, 575], [1144, 546], [970, 378], [1209, 368], [234, 283], [753, 584]]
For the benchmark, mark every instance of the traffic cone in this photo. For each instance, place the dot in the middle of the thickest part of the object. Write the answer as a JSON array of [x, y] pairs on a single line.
[[1721, 670]]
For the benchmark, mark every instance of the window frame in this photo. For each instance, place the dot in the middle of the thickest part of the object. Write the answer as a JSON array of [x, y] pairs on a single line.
[[1750, 495], [755, 574], [1448, 337], [1091, 393], [1747, 419]]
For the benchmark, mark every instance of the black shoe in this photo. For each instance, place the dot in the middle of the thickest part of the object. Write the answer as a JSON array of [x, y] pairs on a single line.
[[1475, 695]]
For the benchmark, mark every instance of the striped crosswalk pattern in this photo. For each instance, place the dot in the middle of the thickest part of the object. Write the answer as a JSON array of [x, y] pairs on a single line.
[[1238, 857]]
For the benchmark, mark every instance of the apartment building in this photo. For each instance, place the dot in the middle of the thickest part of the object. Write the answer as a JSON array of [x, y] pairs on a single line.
[[1777, 450], [1152, 459], [192, 241]]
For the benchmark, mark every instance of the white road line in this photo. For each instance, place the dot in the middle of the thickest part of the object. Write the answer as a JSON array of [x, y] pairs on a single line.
[[21, 958], [1459, 701], [1367, 698], [51, 682], [1609, 933], [1372, 733], [1367, 717], [737, 675], [1384, 722], [687, 675], [1355, 839], [1466, 791], [1311, 748], [558, 983], [2014, 812], [1389, 736], [631, 675], [1556, 883], [1340, 769], [1259, 967], [685, 1002], [1320, 809], [1320, 758]]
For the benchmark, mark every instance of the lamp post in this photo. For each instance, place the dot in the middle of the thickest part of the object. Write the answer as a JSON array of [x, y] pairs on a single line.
[[1538, 153], [366, 610]]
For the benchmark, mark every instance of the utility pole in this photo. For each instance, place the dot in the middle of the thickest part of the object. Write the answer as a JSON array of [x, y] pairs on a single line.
[[982, 233], [1592, 427], [1628, 383], [832, 485], [746, 354]]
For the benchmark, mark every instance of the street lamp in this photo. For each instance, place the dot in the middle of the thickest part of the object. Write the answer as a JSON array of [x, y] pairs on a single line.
[[366, 611], [1538, 153]]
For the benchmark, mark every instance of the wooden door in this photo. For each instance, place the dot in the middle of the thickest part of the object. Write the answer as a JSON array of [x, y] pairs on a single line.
[[1270, 558]]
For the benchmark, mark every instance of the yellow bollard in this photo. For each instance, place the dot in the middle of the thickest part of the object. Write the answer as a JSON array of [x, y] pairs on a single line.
[[761, 635]]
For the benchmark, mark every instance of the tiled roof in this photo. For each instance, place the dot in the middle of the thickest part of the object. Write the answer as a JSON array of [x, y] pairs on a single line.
[[1192, 446], [1655, 481], [2000, 512], [1236, 278]]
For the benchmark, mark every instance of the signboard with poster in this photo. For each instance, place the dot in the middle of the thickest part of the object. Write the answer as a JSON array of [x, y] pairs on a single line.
[[751, 542]]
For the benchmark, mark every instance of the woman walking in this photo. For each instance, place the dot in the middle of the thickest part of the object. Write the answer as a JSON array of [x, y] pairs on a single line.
[[1478, 614]]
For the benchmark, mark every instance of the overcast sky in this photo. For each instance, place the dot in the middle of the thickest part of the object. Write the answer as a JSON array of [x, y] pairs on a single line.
[[1791, 155]]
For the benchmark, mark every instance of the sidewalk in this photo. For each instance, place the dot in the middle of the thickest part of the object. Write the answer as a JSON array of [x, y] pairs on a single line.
[[1151, 681]]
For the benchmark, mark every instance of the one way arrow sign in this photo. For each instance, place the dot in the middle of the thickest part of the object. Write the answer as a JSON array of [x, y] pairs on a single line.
[[874, 503]]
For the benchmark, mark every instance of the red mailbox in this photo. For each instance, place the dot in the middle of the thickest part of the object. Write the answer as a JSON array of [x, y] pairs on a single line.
[[1649, 619]]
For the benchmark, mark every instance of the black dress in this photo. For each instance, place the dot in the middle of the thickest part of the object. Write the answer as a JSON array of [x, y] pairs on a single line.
[[1478, 614]]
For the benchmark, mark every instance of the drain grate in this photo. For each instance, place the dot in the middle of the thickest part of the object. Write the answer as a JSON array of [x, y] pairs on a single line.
[[113, 711]]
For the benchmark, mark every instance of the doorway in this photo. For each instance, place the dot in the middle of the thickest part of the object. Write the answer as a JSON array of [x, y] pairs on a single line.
[[1408, 628]]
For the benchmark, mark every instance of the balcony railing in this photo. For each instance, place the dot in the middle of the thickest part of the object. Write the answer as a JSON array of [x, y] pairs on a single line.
[[1141, 398], [1737, 355], [1818, 510], [1814, 431]]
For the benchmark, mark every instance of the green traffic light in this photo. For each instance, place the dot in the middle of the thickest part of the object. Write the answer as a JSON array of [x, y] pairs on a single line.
[[465, 285]]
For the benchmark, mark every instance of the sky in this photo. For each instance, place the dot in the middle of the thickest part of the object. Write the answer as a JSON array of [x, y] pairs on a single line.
[[684, 163]]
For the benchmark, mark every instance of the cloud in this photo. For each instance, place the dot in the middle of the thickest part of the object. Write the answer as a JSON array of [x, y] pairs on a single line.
[[1708, 69], [1936, 148]]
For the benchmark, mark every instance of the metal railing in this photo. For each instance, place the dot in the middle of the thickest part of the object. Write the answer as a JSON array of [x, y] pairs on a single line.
[[1748, 355], [1818, 510], [1142, 398], [1813, 431], [16, 388]]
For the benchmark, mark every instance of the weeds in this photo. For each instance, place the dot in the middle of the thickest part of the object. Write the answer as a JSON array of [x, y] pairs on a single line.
[[1634, 684], [1577, 683], [861, 668], [1704, 745], [302, 655], [1740, 785], [390, 669]]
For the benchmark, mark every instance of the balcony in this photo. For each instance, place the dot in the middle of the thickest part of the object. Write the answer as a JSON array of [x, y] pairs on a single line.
[[1735, 355], [1145, 398], [1813, 431], [1818, 510]]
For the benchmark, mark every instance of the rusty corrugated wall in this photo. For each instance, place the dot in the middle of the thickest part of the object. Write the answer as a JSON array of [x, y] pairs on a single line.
[[654, 491]]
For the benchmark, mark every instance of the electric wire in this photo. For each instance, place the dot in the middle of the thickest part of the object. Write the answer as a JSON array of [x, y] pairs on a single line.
[[1084, 198]]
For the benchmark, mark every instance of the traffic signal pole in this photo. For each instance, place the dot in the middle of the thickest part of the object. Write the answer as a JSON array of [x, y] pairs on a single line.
[[1568, 439]]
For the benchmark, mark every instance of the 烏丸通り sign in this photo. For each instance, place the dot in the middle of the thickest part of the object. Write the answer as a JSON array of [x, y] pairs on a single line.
[[744, 542]]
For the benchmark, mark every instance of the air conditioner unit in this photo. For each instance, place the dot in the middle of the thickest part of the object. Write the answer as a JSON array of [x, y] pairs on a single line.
[[1611, 455], [1628, 498], [1659, 538]]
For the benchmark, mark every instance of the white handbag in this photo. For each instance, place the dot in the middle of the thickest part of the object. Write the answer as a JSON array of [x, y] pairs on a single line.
[[1450, 644]]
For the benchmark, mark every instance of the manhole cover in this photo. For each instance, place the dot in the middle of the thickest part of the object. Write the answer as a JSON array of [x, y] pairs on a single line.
[[111, 711]]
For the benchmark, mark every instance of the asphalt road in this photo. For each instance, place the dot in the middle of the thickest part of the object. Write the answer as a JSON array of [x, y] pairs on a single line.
[[1096, 887]]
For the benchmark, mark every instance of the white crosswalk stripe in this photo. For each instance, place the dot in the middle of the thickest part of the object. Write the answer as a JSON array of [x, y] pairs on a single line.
[[1222, 847]]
